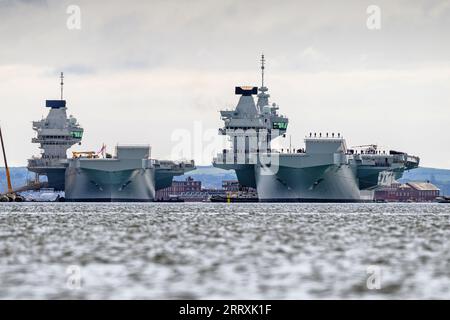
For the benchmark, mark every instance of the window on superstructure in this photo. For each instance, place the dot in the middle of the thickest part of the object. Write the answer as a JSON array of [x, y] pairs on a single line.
[[77, 134]]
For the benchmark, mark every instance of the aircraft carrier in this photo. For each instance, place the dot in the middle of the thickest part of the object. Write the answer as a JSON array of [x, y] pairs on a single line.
[[129, 176], [325, 170]]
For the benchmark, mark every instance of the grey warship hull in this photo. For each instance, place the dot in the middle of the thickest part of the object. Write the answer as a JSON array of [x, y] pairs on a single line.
[[290, 184], [303, 178], [129, 177], [93, 185]]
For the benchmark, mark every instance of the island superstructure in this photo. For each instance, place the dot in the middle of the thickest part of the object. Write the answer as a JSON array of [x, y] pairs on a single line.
[[55, 134], [325, 170]]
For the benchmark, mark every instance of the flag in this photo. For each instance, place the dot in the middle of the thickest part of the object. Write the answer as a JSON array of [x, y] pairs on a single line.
[[102, 150]]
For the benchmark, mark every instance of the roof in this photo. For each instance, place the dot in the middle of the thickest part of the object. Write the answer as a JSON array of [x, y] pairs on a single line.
[[55, 104], [423, 186]]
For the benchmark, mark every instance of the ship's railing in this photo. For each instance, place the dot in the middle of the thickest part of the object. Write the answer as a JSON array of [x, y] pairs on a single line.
[[229, 153], [185, 164], [379, 159], [57, 142], [173, 164], [247, 157], [227, 156], [42, 137]]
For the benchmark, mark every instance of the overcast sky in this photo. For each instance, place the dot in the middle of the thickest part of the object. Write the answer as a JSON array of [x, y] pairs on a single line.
[[146, 71]]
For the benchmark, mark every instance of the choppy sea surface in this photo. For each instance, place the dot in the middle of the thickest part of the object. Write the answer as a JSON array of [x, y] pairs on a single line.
[[224, 251]]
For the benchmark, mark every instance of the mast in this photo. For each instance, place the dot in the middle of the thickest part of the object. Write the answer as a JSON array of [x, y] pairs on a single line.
[[263, 96], [262, 70], [62, 84], [8, 176]]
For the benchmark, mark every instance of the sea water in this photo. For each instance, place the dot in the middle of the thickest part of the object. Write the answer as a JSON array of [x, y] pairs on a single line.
[[224, 251]]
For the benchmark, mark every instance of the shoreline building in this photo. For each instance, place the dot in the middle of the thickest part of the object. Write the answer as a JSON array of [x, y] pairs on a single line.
[[187, 190], [407, 192], [190, 190]]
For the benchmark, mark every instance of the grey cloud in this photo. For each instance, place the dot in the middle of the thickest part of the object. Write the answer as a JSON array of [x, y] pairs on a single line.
[[76, 69], [175, 58], [226, 34], [11, 3]]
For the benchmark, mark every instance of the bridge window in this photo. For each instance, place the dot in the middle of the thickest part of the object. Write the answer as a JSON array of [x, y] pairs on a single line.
[[280, 125], [77, 134]]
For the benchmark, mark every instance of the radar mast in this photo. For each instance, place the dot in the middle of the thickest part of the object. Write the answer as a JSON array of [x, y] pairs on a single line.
[[263, 97], [62, 85]]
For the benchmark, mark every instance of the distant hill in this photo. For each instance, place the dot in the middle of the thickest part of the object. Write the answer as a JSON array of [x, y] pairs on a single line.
[[212, 177], [18, 177]]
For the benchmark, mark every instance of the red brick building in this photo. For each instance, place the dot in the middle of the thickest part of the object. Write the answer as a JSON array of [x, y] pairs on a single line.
[[189, 187], [408, 192], [191, 190]]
